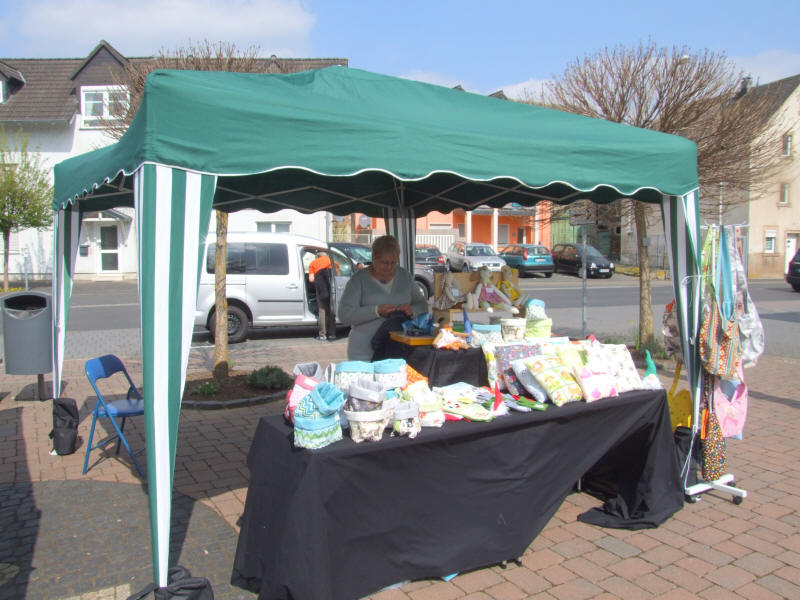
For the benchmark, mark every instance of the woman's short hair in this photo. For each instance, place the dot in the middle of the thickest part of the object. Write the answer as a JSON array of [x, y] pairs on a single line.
[[386, 244]]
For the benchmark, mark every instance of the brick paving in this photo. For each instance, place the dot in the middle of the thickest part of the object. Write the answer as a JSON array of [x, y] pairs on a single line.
[[66, 535]]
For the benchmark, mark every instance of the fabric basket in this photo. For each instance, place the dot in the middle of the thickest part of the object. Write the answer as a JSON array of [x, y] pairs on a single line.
[[406, 420], [538, 328], [365, 395], [512, 329], [350, 371], [482, 334], [390, 372], [366, 425], [316, 418], [307, 375]]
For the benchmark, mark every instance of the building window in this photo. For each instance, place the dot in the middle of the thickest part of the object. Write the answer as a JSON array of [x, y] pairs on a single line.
[[2, 91], [102, 103], [462, 230], [784, 194], [274, 226], [770, 237], [786, 144]]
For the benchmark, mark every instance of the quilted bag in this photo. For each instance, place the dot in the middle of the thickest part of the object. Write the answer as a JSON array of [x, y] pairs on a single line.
[[556, 378], [505, 355], [751, 329], [730, 405]]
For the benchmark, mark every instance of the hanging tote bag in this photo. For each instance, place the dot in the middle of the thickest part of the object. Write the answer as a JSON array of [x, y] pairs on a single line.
[[719, 330], [751, 329], [730, 404], [680, 403], [713, 443]]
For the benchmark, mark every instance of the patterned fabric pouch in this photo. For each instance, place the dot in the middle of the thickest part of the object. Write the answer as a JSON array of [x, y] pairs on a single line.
[[534, 309], [623, 368], [556, 378], [482, 334], [538, 328], [350, 371], [712, 440], [505, 355], [730, 404], [390, 372], [316, 418], [490, 356]]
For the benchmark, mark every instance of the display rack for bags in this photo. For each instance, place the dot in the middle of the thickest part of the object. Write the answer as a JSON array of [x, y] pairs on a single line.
[[725, 482]]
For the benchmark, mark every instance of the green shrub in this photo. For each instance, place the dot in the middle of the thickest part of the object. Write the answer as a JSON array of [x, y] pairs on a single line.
[[270, 378], [208, 388]]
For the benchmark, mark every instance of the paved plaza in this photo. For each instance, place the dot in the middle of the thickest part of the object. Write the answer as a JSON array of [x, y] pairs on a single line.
[[67, 535]]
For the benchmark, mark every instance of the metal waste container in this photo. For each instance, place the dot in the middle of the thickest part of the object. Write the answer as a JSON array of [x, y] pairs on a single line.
[[27, 333]]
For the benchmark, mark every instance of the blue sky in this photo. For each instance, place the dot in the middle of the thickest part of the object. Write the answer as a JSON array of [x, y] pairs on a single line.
[[484, 46]]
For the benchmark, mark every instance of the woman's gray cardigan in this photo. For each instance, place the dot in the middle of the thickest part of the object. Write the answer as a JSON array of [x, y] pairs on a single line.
[[359, 303]]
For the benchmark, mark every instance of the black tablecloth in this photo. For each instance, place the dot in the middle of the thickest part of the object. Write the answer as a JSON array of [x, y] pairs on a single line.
[[347, 520], [442, 367]]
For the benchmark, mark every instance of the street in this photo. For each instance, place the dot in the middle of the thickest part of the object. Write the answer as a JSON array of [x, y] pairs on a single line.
[[104, 316]]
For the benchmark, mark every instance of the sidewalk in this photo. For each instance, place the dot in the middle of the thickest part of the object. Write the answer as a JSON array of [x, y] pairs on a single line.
[[66, 535]]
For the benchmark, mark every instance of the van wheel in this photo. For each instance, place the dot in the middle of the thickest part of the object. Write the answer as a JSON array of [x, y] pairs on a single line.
[[423, 289], [238, 325], [548, 275]]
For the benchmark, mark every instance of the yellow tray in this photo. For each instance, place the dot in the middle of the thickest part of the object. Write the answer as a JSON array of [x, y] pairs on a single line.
[[411, 340]]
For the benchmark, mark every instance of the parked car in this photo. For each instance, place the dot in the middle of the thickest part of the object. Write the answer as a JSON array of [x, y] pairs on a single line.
[[361, 256], [528, 259], [266, 283], [429, 255], [470, 256], [793, 273], [567, 259]]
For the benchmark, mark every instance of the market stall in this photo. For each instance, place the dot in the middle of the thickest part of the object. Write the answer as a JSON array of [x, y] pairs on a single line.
[[344, 141]]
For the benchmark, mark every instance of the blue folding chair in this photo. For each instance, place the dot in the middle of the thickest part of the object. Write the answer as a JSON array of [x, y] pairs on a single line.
[[133, 405]]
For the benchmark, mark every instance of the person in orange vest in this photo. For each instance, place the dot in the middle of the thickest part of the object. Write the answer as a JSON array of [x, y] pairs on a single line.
[[320, 274]]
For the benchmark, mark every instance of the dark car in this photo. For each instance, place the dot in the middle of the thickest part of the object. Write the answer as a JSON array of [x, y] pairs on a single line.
[[361, 255], [429, 255], [793, 273], [567, 259], [528, 259]]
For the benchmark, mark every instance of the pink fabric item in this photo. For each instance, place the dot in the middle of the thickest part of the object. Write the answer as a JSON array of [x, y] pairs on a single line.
[[301, 388], [730, 404], [489, 294]]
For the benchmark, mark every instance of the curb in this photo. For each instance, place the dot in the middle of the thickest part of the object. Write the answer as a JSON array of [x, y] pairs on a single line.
[[220, 405]]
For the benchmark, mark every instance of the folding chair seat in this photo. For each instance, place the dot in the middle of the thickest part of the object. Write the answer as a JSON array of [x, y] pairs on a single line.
[[131, 406]]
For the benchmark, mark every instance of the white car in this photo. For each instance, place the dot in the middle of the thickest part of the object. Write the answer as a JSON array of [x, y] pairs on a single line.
[[267, 282], [471, 256]]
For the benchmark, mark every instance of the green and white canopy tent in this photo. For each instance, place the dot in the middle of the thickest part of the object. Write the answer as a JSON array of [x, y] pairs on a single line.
[[341, 140]]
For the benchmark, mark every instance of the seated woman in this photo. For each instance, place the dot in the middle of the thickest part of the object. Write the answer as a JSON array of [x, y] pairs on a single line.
[[374, 293]]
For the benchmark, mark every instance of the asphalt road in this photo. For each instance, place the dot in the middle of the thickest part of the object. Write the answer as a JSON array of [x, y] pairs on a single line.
[[104, 316]]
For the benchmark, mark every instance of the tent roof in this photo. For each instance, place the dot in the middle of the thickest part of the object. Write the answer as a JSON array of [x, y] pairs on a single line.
[[343, 139]]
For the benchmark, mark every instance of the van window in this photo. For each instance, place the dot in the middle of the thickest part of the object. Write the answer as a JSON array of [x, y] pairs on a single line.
[[253, 259]]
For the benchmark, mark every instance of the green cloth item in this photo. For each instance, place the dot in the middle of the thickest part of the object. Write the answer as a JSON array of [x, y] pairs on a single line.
[[531, 403]]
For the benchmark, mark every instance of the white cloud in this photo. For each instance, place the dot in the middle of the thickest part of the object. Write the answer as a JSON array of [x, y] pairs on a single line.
[[435, 78], [530, 89], [73, 27], [769, 65]]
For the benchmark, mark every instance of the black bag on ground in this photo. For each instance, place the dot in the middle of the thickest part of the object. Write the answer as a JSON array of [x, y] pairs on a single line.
[[65, 425], [180, 586]]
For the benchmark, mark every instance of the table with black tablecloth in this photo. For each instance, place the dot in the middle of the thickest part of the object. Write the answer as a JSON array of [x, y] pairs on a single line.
[[442, 367], [349, 519]]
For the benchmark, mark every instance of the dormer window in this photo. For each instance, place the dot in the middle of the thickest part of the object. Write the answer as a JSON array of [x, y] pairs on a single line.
[[102, 103]]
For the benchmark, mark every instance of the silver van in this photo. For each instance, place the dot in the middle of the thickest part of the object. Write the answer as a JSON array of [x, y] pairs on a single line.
[[267, 281]]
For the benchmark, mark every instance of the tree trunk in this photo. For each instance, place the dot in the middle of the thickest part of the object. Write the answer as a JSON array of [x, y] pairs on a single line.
[[6, 242], [645, 293], [221, 365]]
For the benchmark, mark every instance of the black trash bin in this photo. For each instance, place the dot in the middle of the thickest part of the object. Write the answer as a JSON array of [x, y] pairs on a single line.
[[27, 334]]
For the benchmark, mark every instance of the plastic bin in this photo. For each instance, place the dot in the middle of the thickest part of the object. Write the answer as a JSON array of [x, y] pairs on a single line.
[[27, 333]]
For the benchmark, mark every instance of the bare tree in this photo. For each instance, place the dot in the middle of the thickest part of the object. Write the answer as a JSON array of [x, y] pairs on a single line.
[[698, 95], [204, 56]]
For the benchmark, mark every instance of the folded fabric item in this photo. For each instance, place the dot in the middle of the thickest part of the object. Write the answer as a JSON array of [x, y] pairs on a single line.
[[482, 334], [556, 378], [390, 372], [514, 405], [467, 410], [571, 355], [429, 404], [508, 353], [366, 426], [490, 356], [528, 382], [623, 368], [316, 418], [412, 375], [365, 394], [595, 381], [538, 328], [531, 404], [461, 391]]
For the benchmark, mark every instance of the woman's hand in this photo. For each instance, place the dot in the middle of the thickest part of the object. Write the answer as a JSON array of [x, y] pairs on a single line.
[[384, 310], [406, 308]]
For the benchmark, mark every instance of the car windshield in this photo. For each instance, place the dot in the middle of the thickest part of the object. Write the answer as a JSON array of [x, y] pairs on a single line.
[[359, 254], [480, 251], [427, 252], [538, 251], [593, 253]]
